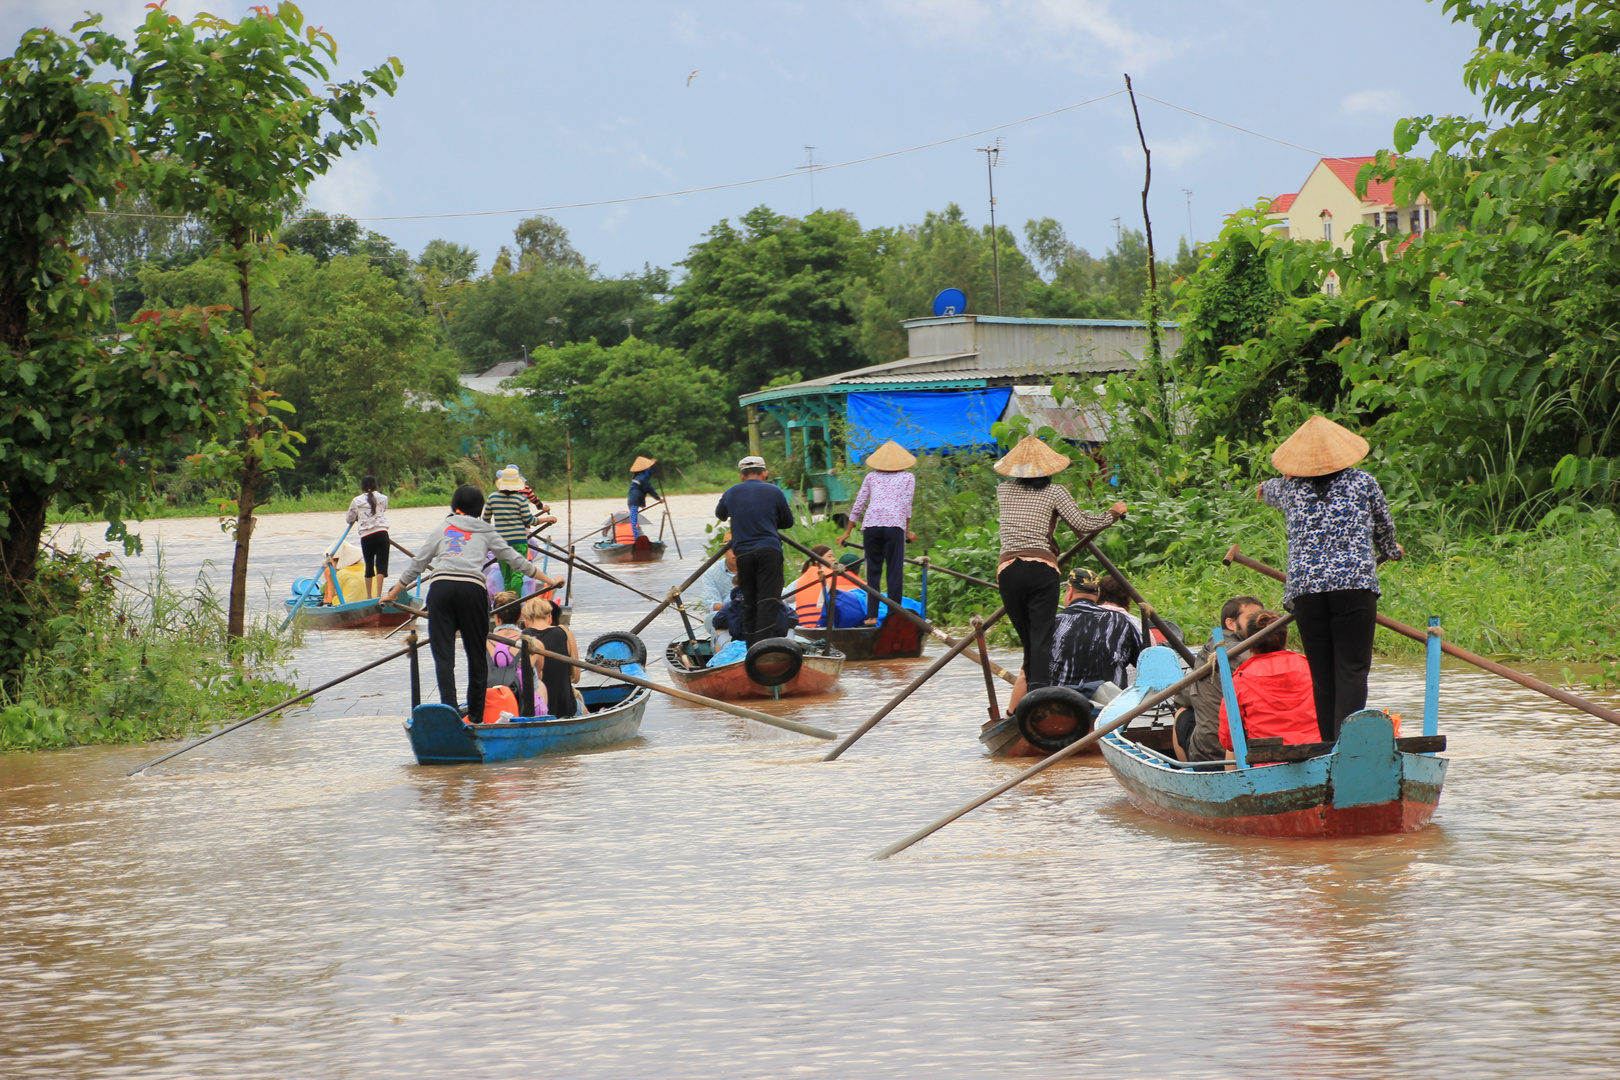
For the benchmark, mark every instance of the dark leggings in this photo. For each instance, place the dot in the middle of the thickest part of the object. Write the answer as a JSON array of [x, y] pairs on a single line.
[[463, 606], [1336, 629], [1030, 591], [374, 546], [885, 554]]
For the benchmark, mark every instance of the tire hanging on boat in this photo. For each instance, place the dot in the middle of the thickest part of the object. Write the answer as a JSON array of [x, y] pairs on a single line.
[[1052, 717], [617, 647], [774, 661]]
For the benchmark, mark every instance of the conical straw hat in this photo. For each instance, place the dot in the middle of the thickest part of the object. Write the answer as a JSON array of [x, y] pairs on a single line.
[[642, 463], [1319, 447], [1031, 457], [891, 457]]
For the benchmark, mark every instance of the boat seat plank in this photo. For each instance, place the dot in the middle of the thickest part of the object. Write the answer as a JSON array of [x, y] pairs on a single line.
[[1273, 750]]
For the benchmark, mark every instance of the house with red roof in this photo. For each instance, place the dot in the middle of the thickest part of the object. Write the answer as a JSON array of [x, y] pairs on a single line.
[[1326, 207]]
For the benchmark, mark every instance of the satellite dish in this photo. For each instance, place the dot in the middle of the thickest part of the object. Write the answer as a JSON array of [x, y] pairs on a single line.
[[950, 302]]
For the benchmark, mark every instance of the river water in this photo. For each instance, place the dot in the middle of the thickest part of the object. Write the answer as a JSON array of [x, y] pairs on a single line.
[[300, 899]]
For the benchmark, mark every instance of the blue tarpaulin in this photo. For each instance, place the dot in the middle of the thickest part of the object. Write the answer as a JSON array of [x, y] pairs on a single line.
[[923, 419]]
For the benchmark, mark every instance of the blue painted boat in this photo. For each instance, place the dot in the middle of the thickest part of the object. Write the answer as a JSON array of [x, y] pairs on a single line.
[[439, 736], [1367, 783]]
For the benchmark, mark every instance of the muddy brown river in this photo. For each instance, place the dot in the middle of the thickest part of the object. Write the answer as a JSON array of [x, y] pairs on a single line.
[[300, 899]]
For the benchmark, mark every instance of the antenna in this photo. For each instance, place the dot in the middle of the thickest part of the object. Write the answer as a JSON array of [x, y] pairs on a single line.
[[1118, 236], [810, 169], [992, 158], [1191, 239]]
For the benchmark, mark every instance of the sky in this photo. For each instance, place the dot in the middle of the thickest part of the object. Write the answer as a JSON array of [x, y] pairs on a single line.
[[519, 106]]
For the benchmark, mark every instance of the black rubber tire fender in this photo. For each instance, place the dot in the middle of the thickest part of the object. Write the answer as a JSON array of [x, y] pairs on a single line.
[[774, 661], [1039, 708], [637, 647]]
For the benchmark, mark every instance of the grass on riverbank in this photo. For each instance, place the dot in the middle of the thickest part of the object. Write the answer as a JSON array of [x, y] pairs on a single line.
[[123, 667]]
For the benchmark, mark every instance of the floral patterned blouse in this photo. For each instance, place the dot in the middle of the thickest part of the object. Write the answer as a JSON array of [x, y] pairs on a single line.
[[1333, 541]]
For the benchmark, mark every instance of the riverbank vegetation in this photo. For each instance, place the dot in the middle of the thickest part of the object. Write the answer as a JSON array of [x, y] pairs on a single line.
[[117, 666]]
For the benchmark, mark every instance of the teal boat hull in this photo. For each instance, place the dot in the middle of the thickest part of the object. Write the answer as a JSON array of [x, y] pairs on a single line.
[[440, 737]]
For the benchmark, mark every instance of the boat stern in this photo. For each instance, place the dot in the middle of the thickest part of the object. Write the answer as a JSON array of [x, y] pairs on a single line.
[[438, 736]]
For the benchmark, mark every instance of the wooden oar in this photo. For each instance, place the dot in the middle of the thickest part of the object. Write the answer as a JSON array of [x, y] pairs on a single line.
[[1152, 701], [1529, 682], [893, 703], [596, 571], [675, 593], [305, 596], [277, 708], [922, 624], [1174, 639], [934, 566], [955, 650], [989, 682]]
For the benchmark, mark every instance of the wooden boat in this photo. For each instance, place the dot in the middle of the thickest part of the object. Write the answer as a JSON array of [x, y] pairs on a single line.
[[730, 682], [895, 638], [354, 615], [439, 736], [1156, 669], [644, 549]]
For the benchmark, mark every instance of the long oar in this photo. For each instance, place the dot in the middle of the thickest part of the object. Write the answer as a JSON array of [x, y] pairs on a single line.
[[1147, 609], [673, 535], [1153, 701], [934, 566], [922, 624], [893, 703], [596, 571], [277, 708], [305, 596], [1529, 682], [675, 593]]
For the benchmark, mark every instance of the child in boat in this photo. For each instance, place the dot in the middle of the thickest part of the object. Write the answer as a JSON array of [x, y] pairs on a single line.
[[369, 510], [505, 659], [1273, 689], [558, 678]]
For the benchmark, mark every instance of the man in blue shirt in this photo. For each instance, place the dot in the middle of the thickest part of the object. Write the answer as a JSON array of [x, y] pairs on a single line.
[[757, 511]]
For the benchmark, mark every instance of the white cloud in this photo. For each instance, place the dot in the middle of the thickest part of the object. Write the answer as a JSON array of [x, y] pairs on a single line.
[[1054, 26], [350, 188], [1374, 104]]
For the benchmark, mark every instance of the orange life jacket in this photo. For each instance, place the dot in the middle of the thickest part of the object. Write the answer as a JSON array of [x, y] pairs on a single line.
[[623, 533], [807, 597]]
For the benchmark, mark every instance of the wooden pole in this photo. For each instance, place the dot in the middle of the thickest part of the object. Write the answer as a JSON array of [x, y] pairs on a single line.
[[675, 593], [928, 564], [1529, 682], [933, 669], [568, 594], [295, 699], [1153, 701], [989, 682], [325, 564], [673, 535], [1147, 609], [594, 571]]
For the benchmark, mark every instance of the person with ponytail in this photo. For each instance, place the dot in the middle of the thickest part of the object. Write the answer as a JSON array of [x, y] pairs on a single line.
[[369, 510], [1339, 530]]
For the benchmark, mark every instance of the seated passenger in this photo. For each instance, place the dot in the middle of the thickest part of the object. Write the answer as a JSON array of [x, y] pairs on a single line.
[[502, 689], [1111, 594], [803, 594], [714, 592], [557, 677], [1273, 689], [1198, 708], [1091, 644]]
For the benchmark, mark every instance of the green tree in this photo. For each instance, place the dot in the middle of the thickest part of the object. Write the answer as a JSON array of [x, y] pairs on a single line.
[[499, 317], [233, 133], [543, 242], [131, 231], [84, 415], [770, 296], [447, 262]]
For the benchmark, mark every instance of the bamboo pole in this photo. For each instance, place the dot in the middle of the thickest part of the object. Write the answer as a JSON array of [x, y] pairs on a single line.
[[989, 682], [928, 564], [594, 571]]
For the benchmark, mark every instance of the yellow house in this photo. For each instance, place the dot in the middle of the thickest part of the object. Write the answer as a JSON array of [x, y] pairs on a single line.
[[1326, 207]]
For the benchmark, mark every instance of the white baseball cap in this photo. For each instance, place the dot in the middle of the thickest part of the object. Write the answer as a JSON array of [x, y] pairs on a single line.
[[752, 461]]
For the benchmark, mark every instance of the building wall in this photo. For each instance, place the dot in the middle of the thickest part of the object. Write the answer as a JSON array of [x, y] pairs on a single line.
[[1035, 346]]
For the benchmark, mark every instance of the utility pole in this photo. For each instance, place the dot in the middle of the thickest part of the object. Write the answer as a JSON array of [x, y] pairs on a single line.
[[1192, 241], [1119, 237], [810, 168], [992, 158], [554, 321]]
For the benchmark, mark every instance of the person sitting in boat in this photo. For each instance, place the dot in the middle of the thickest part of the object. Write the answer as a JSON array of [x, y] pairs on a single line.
[[1196, 732], [1273, 689], [458, 600], [505, 683], [369, 510], [714, 592], [804, 594], [1111, 594], [641, 489], [1092, 643], [512, 515], [556, 678]]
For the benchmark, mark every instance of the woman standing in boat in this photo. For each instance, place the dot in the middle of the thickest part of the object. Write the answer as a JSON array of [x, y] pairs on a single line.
[[885, 500], [1030, 506], [641, 489], [1339, 529], [369, 510]]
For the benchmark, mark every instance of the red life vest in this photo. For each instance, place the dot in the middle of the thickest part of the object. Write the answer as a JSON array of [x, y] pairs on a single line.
[[1274, 696]]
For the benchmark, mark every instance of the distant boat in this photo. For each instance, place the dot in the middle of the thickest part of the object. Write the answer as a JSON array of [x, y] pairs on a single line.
[[642, 549], [439, 736], [731, 682], [354, 615]]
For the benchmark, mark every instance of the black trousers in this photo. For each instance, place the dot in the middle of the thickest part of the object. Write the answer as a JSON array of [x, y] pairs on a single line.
[[1030, 591], [759, 576], [463, 606], [885, 554], [374, 548], [1336, 629]]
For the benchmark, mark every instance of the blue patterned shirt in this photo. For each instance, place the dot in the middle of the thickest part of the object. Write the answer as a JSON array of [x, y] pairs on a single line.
[[1334, 541]]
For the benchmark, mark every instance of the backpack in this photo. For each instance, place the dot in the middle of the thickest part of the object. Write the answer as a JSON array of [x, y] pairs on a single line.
[[504, 659]]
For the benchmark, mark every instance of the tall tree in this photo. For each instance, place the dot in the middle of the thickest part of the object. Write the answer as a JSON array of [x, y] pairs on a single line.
[[233, 133], [543, 242], [80, 411]]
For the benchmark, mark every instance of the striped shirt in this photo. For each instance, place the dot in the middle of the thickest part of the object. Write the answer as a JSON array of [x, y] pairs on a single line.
[[1029, 518], [889, 495], [511, 513]]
